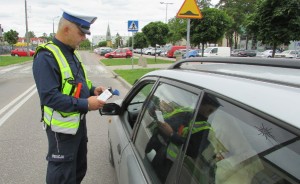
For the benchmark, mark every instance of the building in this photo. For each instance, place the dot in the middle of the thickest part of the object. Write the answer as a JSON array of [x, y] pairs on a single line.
[[32, 41], [109, 38]]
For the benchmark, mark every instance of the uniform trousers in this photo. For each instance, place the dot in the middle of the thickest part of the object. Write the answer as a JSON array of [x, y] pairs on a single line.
[[67, 156]]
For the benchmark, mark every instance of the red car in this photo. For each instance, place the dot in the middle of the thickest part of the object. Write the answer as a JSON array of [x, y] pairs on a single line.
[[119, 53], [21, 52]]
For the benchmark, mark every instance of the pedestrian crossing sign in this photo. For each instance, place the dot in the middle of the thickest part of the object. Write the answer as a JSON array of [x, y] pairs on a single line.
[[133, 25]]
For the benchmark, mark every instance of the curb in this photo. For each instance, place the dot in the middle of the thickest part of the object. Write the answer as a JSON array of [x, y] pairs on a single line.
[[116, 76]]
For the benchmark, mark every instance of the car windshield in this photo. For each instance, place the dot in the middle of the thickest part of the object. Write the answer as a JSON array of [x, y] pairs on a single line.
[[207, 50]]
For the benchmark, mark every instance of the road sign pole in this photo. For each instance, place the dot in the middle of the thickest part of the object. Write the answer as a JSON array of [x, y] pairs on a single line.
[[188, 37], [132, 51]]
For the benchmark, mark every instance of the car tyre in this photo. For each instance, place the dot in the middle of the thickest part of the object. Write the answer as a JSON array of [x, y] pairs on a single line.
[[110, 57]]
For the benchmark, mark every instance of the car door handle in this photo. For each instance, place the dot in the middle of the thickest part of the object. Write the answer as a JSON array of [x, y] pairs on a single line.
[[119, 148]]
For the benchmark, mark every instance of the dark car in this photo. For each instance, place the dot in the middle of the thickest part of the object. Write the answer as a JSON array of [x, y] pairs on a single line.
[[246, 53], [119, 53], [21, 52]]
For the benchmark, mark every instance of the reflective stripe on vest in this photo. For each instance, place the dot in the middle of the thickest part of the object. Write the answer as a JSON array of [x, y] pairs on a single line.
[[62, 122], [173, 149], [176, 111]]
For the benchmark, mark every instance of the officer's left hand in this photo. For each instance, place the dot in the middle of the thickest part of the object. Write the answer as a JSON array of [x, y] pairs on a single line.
[[98, 90]]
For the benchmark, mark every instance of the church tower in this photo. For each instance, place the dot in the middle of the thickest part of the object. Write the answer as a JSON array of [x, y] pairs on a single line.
[[108, 37]]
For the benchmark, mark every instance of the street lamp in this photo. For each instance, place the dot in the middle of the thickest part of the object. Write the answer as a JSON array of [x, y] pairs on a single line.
[[53, 23], [166, 10]]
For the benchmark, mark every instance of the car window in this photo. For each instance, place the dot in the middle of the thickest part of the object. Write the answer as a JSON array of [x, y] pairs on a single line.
[[214, 50], [242, 147], [169, 106], [135, 105]]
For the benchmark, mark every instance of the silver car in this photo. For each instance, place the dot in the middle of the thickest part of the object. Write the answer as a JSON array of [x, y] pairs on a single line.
[[209, 120]]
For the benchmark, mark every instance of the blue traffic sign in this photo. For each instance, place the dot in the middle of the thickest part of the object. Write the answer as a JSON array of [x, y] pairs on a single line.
[[133, 25]]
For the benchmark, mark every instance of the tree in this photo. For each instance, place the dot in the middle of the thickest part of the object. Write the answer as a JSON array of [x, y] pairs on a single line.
[[177, 29], [156, 33], [210, 28], [277, 22], [102, 44], [140, 41], [11, 37], [234, 8], [118, 41], [86, 44], [30, 34], [46, 37]]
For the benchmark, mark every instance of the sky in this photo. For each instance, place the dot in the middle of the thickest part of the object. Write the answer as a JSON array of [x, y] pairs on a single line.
[[115, 13]]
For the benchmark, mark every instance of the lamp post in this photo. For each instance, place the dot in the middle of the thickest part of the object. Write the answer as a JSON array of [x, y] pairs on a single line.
[[166, 10], [53, 24]]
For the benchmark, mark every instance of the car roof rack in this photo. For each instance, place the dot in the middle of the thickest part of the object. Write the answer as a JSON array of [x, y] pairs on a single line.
[[271, 62]]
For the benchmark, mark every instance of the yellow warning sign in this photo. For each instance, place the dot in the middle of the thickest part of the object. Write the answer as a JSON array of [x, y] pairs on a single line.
[[189, 10]]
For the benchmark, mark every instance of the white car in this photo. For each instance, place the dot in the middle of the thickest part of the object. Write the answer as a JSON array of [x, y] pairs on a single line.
[[265, 54], [287, 54], [148, 51], [209, 120]]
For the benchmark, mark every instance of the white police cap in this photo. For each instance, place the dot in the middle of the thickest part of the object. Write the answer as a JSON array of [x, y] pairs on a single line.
[[82, 21]]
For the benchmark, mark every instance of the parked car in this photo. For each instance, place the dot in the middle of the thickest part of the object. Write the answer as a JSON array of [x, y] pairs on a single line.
[[246, 53], [155, 51], [192, 53], [234, 52], [22, 52], [102, 52], [119, 53], [148, 51], [287, 54], [179, 52], [265, 54], [209, 120], [217, 52], [172, 49]]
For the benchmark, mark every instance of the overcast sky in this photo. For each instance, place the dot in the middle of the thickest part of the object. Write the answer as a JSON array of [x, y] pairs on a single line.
[[116, 13]]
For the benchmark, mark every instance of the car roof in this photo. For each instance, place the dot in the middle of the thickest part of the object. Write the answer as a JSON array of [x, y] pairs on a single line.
[[272, 89]]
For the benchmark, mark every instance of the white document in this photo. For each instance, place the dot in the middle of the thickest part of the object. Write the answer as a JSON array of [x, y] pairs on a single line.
[[106, 94]]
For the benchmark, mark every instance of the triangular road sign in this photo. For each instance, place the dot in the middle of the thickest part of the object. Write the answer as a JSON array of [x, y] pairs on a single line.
[[189, 10]]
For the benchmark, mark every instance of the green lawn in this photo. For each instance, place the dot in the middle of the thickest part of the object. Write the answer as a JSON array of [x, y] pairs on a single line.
[[8, 60], [127, 61], [133, 74]]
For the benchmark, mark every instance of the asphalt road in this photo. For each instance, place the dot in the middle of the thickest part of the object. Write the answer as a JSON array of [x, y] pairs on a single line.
[[23, 143]]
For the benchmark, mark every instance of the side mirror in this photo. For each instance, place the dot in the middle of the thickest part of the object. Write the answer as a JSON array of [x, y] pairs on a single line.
[[110, 109]]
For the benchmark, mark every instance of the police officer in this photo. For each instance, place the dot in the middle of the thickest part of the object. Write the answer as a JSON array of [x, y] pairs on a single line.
[[66, 95]]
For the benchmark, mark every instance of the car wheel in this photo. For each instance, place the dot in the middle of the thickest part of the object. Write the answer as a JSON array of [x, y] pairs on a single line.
[[110, 57], [111, 157], [127, 56]]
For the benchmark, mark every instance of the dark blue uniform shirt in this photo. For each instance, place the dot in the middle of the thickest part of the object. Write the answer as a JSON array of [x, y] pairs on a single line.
[[47, 76]]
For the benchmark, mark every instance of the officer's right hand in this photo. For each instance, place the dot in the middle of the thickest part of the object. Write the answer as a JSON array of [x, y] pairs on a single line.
[[94, 103]]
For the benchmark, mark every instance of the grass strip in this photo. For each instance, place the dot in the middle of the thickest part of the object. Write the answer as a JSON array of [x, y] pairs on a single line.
[[8, 60], [128, 61], [132, 75]]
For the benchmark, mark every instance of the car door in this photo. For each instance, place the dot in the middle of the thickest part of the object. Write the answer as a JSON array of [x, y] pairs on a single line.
[[171, 104], [120, 134]]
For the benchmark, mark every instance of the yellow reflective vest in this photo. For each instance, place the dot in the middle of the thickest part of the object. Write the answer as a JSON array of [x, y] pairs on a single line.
[[174, 149], [62, 122]]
